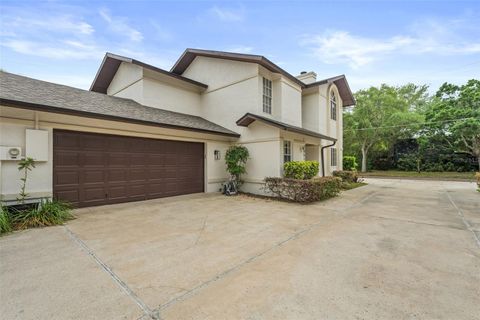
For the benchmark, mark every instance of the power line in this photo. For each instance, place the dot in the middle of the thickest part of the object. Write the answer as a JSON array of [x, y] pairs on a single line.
[[412, 124]]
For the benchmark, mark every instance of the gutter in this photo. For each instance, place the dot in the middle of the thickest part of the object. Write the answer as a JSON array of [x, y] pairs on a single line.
[[321, 154]]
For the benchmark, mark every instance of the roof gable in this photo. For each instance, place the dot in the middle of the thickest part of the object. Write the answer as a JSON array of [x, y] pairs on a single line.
[[109, 67]]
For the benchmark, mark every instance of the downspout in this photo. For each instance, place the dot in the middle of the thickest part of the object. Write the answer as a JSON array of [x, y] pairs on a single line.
[[321, 154]]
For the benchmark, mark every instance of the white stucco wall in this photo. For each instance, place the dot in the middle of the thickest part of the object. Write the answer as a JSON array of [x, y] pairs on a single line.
[[291, 109], [127, 74], [162, 95]]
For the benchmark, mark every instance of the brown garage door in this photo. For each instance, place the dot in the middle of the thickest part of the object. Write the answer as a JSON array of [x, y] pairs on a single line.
[[92, 169]]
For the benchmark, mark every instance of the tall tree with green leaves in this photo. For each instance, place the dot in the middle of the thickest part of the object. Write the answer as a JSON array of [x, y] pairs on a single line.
[[382, 116], [454, 115]]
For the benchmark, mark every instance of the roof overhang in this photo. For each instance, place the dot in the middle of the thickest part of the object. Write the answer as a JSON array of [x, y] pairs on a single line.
[[91, 115], [249, 118], [342, 85], [190, 54], [110, 64]]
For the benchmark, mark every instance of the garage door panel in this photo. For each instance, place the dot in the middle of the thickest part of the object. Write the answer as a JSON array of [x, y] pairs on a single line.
[[117, 175], [118, 159], [64, 178], [92, 176], [95, 193], [91, 141], [67, 158], [94, 169], [93, 158], [71, 195]]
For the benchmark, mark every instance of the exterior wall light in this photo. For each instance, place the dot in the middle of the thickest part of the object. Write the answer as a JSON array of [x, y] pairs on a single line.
[[216, 154]]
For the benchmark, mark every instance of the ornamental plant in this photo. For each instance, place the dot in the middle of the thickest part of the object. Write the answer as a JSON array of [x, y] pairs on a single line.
[[236, 160], [26, 165], [302, 170], [350, 163]]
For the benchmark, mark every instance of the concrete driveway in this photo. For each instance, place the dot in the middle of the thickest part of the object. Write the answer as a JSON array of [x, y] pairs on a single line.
[[395, 249]]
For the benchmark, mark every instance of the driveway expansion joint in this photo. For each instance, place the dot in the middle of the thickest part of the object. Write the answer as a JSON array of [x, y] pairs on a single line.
[[146, 310], [462, 216]]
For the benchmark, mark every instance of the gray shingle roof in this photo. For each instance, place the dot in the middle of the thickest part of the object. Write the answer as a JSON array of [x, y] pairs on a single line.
[[20, 91]]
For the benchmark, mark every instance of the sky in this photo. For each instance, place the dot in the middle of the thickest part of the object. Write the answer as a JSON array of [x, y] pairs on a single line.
[[371, 42]]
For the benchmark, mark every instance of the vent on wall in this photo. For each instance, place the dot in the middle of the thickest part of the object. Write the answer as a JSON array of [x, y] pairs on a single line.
[[10, 153]]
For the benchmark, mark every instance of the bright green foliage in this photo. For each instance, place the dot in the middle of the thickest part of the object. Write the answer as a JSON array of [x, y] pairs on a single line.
[[382, 116], [5, 225], [454, 115], [350, 163], [46, 213], [300, 169], [236, 159], [26, 165]]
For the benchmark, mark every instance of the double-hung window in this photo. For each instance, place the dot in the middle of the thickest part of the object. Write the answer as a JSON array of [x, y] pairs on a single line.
[[333, 157], [267, 96], [287, 151], [333, 106]]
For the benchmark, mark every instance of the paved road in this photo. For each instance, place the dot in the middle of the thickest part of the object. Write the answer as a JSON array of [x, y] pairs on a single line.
[[395, 249]]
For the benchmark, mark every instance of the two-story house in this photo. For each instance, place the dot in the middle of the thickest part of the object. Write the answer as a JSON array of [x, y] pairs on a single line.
[[142, 132]]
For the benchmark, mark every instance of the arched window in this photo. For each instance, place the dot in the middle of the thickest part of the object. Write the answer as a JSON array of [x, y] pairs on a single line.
[[333, 106]]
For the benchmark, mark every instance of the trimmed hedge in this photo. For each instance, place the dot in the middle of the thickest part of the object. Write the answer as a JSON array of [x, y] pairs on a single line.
[[299, 190], [300, 169], [346, 176]]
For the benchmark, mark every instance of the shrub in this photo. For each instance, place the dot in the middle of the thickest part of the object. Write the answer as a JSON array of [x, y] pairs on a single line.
[[350, 163], [5, 225], [347, 176], [236, 160], [329, 186], [304, 191], [409, 162], [46, 213], [300, 169]]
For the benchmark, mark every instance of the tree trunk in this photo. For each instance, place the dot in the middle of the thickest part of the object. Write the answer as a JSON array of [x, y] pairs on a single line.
[[364, 159]]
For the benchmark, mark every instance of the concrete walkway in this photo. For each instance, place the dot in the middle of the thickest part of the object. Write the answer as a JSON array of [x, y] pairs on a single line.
[[395, 249]]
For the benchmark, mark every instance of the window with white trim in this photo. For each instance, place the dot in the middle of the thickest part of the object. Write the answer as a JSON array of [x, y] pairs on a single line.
[[267, 96], [333, 157], [333, 106], [287, 151]]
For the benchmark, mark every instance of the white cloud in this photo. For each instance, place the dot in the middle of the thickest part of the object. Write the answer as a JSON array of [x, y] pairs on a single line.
[[119, 25], [228, 15], [61, 50], [428, 37], [160, 32]]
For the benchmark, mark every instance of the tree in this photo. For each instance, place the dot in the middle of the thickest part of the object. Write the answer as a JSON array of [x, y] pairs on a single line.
[[454, 115], [383, 115]]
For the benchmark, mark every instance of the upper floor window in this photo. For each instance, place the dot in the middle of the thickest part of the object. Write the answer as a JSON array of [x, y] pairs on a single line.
[[267, 96], [333, 157], [333, 106], [287, 151]]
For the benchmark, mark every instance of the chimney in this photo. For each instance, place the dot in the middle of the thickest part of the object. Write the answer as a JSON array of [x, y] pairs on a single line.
[[307, 77]]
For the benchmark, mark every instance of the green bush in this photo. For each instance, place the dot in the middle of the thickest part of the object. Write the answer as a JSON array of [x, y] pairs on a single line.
[[329, 186], [303, 191], [409, 162], [350, 163], [236, 160], [5, 225], [300, 169], [346, 176], [46, 213]]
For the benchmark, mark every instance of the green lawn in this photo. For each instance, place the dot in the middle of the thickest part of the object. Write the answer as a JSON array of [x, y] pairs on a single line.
[[469, 176]]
